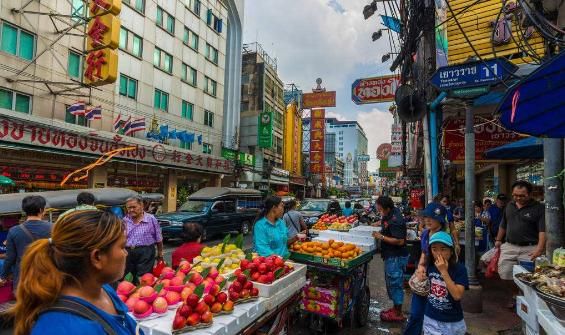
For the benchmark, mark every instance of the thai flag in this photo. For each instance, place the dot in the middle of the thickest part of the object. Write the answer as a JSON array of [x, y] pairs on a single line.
[[136, 125], [117, 122], [78, 108], [94, 113], [127, 125]]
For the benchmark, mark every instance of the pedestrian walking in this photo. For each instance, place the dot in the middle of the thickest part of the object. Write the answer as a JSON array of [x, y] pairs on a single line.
[[192, 246], [434, 221], [450, 219], [22, 235], [143, 235], [521, 235], [85, 202], [395, 255], [64, 288], [294, 221], [448, 282]]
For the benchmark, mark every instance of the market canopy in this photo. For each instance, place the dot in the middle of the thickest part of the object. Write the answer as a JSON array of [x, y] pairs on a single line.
[[536, 105], [527, 148]]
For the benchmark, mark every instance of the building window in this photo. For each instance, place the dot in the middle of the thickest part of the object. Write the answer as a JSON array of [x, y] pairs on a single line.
[[131, 42], [74, 119], [17, 42], [190, 39], [211, 87], [340, 143], [77, 10], [128, 87], [74, 66], [213, 21], [185, 145], [165, 20], [187, 110], [138, 5], [161, 100], [209, 118], [211, 54], [207, 148], [15, 101], [189, 75], [163, 60], [193, 6]]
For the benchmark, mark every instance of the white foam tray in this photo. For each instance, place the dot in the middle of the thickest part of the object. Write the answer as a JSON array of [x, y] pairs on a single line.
[[364, 230], [269, 290], [346, 237], [364, 246]]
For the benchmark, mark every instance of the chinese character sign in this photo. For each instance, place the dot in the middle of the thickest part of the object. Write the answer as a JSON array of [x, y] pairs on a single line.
[[317, 140], [103, 33]]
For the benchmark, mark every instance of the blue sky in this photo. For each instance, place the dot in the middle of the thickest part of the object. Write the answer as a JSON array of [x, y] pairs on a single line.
[[328, 39]]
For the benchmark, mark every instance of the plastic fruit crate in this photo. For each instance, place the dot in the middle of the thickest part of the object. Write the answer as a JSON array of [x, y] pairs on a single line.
[[268, 290]]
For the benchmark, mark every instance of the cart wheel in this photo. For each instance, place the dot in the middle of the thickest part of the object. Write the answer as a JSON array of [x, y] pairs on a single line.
[[361, 312]]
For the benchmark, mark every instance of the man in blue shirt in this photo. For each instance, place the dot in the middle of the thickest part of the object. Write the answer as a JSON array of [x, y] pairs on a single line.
[[20, 236], [495, 213]]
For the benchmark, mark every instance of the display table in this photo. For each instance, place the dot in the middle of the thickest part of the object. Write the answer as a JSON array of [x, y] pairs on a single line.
[[242, 317], [534, 311]]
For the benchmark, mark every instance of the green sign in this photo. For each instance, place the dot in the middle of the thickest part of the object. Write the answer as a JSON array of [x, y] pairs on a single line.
[[265, 130], [469, 92], [245, 159]]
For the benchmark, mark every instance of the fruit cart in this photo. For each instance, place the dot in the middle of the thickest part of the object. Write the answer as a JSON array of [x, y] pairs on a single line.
[[350, 290]]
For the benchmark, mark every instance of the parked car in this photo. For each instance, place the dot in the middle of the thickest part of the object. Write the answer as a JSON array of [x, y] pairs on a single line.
[[312, 209], [217, 209]]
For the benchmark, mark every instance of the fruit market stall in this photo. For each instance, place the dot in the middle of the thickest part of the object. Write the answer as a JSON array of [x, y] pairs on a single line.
[[198, 299], [336, 286], [542, 305], [334, 223]]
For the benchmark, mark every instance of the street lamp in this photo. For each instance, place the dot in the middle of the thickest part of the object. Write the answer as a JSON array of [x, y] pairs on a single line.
[[378, 34], [370, 9], [386, 56]]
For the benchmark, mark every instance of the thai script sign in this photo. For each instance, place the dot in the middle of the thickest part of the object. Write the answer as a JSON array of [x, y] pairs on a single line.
[[374, 90]]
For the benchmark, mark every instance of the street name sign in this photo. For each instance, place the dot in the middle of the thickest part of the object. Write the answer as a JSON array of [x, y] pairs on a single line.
[[473, 74]]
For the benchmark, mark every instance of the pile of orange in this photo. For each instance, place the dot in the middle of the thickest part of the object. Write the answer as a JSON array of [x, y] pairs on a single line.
[[330, 249], [320, 226]]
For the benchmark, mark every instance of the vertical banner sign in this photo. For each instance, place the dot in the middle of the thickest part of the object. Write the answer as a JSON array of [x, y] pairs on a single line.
[[103, 35], [265, 132], [317, 140]]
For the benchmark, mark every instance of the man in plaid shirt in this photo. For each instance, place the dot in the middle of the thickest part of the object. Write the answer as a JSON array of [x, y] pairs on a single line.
[[143, 234]]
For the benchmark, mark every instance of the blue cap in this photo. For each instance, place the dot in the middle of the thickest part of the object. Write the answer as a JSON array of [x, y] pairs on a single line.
[[441, 237], [435, 211]]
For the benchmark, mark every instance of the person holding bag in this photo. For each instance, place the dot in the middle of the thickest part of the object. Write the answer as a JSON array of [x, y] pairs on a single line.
[[66, 288], [294, 223]]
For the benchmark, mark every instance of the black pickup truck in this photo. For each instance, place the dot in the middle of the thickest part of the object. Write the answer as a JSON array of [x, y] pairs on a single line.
[[217, 209]]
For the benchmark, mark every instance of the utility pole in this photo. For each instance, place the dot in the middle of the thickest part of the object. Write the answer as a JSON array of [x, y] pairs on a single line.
[[470, 190], [553, 194]]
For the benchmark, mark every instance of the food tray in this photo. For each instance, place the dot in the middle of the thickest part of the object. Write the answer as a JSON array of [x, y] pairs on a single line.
[[520, 277], [333, 264], [555, 304], [268, 290], [186, 329], [246, 300]]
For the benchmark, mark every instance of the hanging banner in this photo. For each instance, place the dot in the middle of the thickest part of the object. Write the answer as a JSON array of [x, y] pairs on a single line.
[[265, 132], [317, 140]]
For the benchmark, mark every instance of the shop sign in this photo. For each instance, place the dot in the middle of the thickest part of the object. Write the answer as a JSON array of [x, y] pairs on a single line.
[[244, 158], [317, 140], [480, 73], [319, 99], [263, 187], [24, 133], [297, 180], [488, 135], [374, 90], [103, 35], [265, 132], [280, 172], [363, 158]]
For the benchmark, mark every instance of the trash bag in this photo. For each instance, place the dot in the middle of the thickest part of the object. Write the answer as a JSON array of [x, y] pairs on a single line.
[[492, 268], [158, 268]]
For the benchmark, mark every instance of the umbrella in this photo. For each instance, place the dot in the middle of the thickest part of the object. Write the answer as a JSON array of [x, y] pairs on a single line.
[[527, 148], [5, 181], [536, 105]]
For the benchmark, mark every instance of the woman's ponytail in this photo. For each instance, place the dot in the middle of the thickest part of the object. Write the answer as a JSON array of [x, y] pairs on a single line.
[[39, 287]]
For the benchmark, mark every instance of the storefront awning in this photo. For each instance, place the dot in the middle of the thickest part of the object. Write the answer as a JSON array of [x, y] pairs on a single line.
[[536, 105], [528, 148]]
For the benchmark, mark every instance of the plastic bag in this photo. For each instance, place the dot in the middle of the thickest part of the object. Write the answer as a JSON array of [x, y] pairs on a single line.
[[487, 256], [158, 268], [418, 286], [492, 268]]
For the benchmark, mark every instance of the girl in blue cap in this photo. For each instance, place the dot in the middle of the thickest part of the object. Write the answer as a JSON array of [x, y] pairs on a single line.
[[448, 282]]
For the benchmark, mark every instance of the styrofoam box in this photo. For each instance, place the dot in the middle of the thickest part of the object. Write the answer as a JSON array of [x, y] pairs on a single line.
[[527, 313], [364, 230], [346, 237], [364, 246], [268, 290], [547, 320], [284, 294]]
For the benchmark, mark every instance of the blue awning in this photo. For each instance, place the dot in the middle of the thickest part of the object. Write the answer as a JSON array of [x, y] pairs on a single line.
[[527, 148], [536, 105]]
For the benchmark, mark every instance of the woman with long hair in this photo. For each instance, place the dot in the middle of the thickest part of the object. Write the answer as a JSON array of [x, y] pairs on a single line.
[[270, 235], [64, 287]]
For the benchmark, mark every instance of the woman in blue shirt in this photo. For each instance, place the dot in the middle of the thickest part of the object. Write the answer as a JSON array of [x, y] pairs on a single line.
[[347, 211], [73, 268], [270, 235]]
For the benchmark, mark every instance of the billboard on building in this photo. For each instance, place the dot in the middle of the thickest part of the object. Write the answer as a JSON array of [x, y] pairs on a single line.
[[317, 141], [374, 90], [265, 131], [292, 140], [319, 99]]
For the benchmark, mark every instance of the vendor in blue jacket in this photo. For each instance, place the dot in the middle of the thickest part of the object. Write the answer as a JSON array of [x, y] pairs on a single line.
[[270, 235]]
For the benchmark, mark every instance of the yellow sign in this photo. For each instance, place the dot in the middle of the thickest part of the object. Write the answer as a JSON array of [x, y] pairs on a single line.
[[103, 37], [292, 159]]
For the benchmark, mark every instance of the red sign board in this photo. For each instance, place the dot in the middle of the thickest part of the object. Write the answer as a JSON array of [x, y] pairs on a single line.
[[318, 100], [416, 198], [488, 135], [374, 90], [317, 143]]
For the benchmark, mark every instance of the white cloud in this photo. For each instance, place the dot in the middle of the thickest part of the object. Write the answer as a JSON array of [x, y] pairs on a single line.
[[377, 124], [338, 116]]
